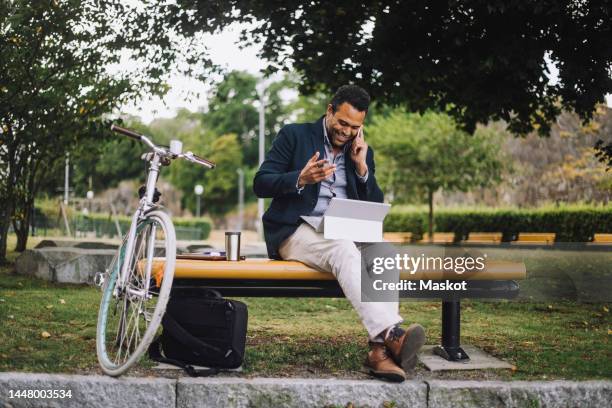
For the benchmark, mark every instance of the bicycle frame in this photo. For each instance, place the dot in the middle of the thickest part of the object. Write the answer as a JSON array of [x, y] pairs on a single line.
[[146, 203], [129, 289]]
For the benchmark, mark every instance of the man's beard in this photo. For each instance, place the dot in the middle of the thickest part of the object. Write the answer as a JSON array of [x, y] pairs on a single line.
[[338, 139]]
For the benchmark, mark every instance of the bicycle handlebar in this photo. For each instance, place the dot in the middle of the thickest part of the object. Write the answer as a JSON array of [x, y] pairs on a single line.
[[142, 138], [126, 132], [198, 160]]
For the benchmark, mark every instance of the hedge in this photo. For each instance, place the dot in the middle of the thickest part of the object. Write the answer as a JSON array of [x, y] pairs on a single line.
[[571, 223], [102, 224]]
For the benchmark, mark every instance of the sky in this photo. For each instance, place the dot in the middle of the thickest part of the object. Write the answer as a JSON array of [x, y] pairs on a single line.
[[225, 52]]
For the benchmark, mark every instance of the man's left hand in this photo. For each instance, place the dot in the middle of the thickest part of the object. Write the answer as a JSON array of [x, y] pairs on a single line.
[[359, 149]]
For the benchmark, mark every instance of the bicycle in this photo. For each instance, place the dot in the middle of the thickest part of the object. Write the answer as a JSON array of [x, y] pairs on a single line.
[[133, 298]]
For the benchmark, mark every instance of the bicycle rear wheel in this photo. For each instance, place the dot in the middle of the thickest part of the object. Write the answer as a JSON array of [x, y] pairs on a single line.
[[130, 315]]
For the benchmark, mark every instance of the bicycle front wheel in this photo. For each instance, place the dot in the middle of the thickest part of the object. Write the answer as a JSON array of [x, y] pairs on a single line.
[[131, 309]]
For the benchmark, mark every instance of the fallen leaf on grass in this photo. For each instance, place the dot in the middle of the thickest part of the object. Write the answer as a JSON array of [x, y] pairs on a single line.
[[49, 306], [62, 301], [605, 309], [45, 335], [609, 332]]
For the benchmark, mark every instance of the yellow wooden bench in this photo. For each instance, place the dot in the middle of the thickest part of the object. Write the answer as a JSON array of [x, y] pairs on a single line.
[[601, 239], [439, 238], [270, 278], [258, 269], [484, 238], [401, 237], [535, 238]]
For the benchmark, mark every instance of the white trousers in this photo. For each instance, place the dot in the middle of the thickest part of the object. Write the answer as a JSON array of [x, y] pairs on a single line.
[[343, 259]]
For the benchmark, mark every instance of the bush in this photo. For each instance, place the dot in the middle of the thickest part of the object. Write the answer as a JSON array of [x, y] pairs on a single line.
[[103, 224], [570, 223]]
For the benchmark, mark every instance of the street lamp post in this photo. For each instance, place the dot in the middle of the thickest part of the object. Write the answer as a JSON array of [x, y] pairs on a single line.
[[66, 179], [90, 196], [261, 88], [240, 198], [198, 190]]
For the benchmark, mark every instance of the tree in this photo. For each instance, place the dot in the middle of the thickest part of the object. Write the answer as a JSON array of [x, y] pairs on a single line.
[[233, 108], [220, 184], [420, 154], [49, 93], [481, 59], [561, 168], [56, 85], [106, 161]]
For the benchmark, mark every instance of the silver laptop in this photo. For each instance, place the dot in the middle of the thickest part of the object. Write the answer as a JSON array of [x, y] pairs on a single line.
[[355, 220]]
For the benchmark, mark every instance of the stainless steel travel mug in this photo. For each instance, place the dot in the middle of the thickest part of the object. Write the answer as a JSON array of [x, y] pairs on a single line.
[[232, 246]]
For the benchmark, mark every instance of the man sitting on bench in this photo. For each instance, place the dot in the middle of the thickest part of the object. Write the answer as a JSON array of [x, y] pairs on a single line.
[[306, 167]]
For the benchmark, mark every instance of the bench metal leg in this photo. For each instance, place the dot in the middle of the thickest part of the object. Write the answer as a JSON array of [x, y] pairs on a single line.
[[451, 330]]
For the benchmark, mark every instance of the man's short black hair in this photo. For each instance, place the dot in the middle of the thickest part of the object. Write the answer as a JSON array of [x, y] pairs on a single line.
[[354, 95]]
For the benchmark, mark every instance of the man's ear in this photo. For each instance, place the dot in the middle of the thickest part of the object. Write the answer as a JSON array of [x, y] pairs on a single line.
[[330, 109]]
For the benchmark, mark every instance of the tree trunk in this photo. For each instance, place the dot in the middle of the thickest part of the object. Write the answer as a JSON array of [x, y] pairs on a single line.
[[5, 222], [431, 216], [7, 208], [23, 229], [26, 204]]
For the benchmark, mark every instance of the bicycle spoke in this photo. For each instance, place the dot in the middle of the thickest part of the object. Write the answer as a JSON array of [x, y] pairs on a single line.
[[130, 333], [134, 305]]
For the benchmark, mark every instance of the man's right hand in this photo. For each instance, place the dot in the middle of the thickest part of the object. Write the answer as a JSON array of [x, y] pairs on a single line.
[[315, 171]]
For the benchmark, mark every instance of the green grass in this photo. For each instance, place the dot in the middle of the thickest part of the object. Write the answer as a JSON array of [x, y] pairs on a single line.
[[321, 337]]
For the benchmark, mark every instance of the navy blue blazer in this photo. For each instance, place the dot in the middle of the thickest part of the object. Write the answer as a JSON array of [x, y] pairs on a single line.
[[277, 176]]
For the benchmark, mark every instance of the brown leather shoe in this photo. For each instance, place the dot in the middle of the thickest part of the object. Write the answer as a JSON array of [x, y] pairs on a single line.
[[404, 345], [381, 365]]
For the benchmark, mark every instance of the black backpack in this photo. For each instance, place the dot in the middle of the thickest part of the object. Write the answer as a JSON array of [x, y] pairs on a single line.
[[202, 328]]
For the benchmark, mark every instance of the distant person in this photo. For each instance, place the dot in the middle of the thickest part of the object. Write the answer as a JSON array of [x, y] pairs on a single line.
[[306, 167]]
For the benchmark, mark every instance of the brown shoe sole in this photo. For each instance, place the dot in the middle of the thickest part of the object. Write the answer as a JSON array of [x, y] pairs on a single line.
[[414, 340], [386, 375]]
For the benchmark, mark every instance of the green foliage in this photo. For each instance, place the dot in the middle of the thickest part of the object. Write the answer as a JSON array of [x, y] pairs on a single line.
[[220, 184], [104, 225], [424, 153], [484, 58], [233, 108], [571, 223], [56, 87], [421, 154], [310, 108]]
